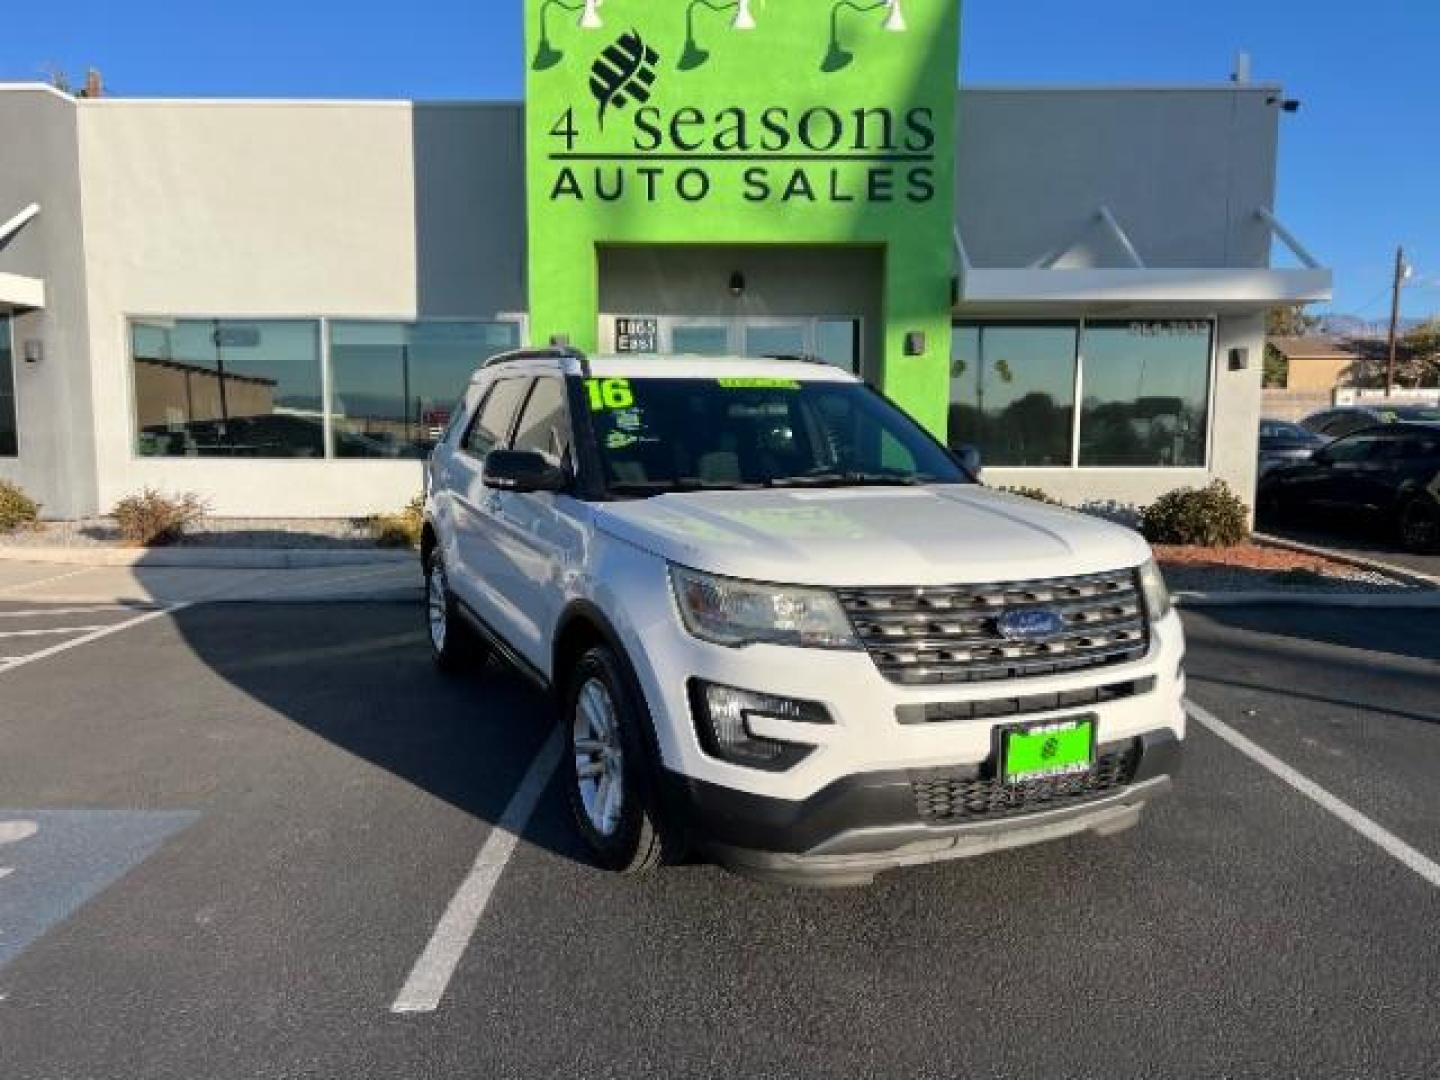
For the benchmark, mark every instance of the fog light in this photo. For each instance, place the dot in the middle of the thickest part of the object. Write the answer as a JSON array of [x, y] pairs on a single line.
[[723, 718]]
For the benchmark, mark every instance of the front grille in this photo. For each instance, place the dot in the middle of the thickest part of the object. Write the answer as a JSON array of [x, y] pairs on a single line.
[[951, 797], [949, 634]]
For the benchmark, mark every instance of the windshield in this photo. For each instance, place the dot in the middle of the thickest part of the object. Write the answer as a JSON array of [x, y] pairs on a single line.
[[1418, 414], [659, 435], [1278, 429]]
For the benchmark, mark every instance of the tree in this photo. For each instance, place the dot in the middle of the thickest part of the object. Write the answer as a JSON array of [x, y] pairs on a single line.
[[1277, 369], [1291, 321], [1419, 363]]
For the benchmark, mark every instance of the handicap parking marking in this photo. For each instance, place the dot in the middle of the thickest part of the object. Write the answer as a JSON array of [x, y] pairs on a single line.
[[52, 862]]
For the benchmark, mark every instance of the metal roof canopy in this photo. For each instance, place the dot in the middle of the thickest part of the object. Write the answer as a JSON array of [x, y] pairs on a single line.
[[16, 290], [1136, 285]]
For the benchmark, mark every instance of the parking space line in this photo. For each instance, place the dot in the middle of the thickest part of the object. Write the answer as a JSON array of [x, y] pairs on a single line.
[[34, 613], [1366, 827], [22, 586], [432, 972], [50, 630], [104, 631]]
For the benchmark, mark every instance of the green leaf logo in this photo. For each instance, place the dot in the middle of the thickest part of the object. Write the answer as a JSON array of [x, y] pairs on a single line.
[[624, 73]]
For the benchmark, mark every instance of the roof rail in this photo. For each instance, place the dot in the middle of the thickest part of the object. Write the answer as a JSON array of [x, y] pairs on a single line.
[[545, 352]]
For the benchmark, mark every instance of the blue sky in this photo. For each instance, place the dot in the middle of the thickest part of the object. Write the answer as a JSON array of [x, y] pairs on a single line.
[[1360, 164]]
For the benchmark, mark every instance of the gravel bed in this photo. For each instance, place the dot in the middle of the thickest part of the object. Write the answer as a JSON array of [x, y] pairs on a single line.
[[289, 534], [1212, 579]]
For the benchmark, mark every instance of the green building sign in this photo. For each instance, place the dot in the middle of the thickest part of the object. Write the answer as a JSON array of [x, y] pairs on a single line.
[[800, 123]]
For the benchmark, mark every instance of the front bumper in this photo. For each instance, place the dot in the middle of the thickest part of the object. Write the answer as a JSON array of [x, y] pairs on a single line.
[[862, 825]]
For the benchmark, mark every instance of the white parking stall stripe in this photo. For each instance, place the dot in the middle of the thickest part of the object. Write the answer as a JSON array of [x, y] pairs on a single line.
[[1374, 832], [105, 631], [49, 630], [432, 972], [22, 586], [34, 613]]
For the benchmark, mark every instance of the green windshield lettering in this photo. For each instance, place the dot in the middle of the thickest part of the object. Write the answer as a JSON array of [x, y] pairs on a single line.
[[758, 384], [609, 394]]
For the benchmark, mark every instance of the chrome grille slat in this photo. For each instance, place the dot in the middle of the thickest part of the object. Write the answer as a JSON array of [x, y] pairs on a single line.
[[948, 634]]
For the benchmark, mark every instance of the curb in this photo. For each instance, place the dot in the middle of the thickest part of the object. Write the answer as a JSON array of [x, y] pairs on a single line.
[[1399, 573], [1428, 600], [207, 558]]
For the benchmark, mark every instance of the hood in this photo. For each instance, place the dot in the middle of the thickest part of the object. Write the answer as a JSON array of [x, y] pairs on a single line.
[[872, 536]]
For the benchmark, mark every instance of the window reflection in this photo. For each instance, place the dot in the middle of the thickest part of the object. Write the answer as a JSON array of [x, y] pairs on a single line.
[[228, 388], [394, 385], [1012, 392], [1146, 393], [9, 439]]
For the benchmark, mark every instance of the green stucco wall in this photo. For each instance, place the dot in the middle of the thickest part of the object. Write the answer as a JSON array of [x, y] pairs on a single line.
[[823, 124]]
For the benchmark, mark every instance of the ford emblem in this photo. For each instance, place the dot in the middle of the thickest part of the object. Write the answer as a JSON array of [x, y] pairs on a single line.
[[1030, 624]]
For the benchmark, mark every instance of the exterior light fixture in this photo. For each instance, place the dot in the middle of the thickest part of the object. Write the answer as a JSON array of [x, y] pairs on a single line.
[[737, 284], [546, 54], [695, 56], [837, 57]]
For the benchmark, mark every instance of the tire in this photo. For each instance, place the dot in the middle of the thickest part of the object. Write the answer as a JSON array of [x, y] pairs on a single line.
[[1418, 525], [611, 783], [453, 644]]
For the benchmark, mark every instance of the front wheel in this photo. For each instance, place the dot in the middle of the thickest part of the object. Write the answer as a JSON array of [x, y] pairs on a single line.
[[1419, 525], [611, 791]]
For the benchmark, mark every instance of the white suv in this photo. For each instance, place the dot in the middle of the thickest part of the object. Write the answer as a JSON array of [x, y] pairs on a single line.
[[785, 625]]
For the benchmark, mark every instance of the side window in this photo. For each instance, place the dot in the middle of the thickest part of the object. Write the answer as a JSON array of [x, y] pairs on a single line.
[[1352, 448], [545, 423], [492, 424]]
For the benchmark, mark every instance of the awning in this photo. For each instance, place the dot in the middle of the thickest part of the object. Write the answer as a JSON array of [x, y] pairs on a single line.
[[17, 290], [1135, 285]]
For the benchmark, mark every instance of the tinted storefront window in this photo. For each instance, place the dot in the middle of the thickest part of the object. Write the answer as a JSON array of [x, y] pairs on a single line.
[[1146, 393], [394, 385], [9, 440], [228, 388], [1012, 392]]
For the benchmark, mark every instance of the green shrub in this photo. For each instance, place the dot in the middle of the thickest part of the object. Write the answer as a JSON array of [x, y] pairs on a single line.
[[402, 529], [1211, 516], [17, 510], [152, 519], [1035, 493]]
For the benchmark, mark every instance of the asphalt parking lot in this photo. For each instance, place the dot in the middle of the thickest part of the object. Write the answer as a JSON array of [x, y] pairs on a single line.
[[228, 832]]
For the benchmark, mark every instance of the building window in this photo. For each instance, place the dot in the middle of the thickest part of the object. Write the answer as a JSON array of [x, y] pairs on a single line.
[[9, 433], [1012, 392], [228, 388], [393, 385], [1146, 393]]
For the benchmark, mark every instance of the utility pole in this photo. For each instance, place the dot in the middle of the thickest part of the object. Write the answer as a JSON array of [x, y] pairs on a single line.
[[1400, 275]]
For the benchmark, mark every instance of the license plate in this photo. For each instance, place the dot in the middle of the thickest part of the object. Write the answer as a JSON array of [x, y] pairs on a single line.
[[1045, 751]]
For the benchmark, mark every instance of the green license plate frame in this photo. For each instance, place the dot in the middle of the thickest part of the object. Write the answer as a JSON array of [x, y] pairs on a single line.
[[1051, 749]]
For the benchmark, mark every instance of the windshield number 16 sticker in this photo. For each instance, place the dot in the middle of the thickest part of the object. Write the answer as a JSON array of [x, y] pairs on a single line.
[[607, 395]]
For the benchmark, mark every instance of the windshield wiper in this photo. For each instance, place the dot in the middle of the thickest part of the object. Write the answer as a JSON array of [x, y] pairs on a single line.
[[662, 487], [850, 479]]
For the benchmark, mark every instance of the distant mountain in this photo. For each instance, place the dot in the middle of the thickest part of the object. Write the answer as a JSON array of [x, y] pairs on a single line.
[[1338, 325]]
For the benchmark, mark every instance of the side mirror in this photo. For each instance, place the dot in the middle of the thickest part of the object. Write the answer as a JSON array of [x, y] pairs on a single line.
[[969, 458], [522, 471]]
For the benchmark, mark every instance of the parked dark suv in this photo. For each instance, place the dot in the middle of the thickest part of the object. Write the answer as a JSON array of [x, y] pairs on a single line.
[[1387, 475]]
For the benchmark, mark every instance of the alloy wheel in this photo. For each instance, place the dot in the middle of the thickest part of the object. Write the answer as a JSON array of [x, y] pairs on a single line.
[[599, 760], [437, 606]]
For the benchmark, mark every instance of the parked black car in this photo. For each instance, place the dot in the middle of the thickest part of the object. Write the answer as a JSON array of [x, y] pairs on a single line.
[[1284, 443], [1387, 475], [1337, 423]]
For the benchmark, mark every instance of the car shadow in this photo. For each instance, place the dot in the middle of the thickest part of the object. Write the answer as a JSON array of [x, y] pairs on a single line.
[[360, 677]]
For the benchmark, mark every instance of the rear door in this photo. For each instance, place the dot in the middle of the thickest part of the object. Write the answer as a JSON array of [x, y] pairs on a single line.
[[477, 560]]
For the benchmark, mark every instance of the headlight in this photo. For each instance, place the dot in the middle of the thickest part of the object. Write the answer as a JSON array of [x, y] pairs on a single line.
[[734, 613], [723, 717], [1152, 587]]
